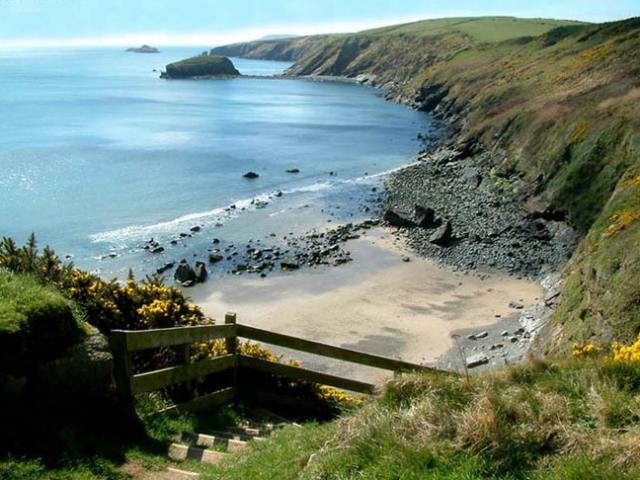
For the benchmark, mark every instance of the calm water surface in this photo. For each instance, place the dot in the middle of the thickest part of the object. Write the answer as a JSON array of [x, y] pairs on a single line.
[[98, 155]]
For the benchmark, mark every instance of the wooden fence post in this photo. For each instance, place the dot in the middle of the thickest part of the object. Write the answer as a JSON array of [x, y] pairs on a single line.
[[183, 357], [230, 319], [122, 365], [231, 343]]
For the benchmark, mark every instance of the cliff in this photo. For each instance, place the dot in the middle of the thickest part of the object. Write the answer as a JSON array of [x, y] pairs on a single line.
[[285, 50], [554, 103], [206, 66]]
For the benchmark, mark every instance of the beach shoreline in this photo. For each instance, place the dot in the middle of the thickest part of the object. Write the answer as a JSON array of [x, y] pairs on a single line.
[[474, 297], [387, 301]]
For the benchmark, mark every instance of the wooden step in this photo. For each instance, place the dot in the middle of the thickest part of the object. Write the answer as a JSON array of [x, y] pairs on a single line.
[[182, 452], [208, 441]]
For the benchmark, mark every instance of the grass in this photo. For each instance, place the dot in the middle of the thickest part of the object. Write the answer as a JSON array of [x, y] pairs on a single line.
[[563, 108], [24, 302], [481, 29], [574, 419]]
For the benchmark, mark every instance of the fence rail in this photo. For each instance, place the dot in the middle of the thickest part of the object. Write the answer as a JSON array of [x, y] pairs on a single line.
[[125, 342]]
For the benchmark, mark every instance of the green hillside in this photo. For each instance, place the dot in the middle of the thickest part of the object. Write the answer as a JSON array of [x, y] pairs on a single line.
[[480, 29], [556, 102]]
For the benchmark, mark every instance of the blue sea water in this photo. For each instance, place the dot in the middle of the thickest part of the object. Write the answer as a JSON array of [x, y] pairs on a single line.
[[98, 154]]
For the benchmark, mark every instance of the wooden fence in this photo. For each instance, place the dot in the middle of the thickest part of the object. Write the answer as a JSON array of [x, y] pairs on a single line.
[[125, 343]]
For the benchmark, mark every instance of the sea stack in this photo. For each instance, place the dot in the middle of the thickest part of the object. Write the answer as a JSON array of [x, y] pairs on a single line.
[[202, 66]]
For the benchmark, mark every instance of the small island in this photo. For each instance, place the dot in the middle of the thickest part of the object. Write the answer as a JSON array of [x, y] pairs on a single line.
[[202, 66], [143, 49]]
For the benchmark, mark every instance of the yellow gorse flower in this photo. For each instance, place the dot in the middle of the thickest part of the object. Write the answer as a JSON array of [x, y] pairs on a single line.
[[626, 353], [619, 351], [586, 350]]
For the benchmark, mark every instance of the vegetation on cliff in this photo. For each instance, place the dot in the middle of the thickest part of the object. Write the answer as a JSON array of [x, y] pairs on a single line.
[[201, 66], [47, 308]]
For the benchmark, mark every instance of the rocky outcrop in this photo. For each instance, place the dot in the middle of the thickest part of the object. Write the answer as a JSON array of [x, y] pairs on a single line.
[[201, 272], [187, 276], [143, 49], [202, 66]]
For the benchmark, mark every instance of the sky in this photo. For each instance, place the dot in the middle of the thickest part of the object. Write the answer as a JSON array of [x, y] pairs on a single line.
[[219, 22]]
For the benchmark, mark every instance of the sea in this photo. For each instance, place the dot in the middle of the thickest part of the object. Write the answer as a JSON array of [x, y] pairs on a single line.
[[100, 158]]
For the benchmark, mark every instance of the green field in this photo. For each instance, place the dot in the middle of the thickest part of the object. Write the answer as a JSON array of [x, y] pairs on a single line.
[[481, 29]]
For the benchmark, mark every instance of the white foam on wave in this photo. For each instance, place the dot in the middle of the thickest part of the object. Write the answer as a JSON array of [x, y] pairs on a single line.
[[125, 235], [138, 232]]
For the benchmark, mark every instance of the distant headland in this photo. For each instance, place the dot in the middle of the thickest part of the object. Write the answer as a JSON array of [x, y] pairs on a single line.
[[143, 49]]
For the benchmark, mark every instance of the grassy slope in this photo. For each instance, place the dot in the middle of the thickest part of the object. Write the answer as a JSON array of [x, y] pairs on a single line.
[[559, 99], [565, 421], [36, 322]]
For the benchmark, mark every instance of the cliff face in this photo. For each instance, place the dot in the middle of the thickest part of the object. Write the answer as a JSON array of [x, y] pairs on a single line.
[[201, 66], [558, 107]]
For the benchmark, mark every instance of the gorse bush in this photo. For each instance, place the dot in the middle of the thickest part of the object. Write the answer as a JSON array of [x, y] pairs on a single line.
[[105, 304], [626, 353]]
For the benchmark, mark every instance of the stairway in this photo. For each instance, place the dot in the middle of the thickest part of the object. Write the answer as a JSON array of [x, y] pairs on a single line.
[[217, 445]]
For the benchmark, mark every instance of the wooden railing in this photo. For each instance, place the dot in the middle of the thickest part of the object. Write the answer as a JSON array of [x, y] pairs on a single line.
[[126, 343]]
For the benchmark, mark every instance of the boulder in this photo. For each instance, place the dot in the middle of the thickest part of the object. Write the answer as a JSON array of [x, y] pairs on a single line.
[[165, 267], [425, 217], [536, 229], [443, 235], [201, 272], [289, 264], [477, 360], [398, 219], [185, 274], [471, 177], [251, 175], [215, 258]]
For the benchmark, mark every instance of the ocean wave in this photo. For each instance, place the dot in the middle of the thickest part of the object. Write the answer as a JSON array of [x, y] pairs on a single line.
[[218, 216], [214, 217]]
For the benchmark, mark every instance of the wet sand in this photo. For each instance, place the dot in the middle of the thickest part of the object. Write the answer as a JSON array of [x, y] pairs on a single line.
[[377, 304]]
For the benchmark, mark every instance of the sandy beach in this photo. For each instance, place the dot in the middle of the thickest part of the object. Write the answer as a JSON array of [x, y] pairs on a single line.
[[379, 304]]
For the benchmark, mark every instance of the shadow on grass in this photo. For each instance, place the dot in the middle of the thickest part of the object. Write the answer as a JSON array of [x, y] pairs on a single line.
[[94, 438]]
